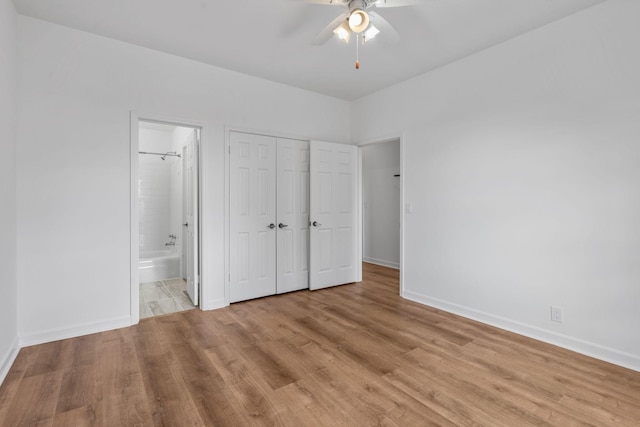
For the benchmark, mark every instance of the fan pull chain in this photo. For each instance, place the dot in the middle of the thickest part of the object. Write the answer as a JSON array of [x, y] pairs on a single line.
[[357, 52]]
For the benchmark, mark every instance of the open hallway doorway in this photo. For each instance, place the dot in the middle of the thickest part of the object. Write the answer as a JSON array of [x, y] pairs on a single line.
[[382, 203]]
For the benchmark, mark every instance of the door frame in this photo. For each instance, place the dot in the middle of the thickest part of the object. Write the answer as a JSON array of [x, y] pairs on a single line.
[[134, 225], [374, 141]]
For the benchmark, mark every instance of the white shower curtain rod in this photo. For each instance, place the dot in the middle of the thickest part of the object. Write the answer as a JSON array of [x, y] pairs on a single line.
[[170, 154]]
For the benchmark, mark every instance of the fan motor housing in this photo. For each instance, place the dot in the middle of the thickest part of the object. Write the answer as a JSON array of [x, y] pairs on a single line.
[[357, 4]]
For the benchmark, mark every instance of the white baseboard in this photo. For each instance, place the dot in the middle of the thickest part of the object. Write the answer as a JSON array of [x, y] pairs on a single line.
[[213, 304], [94, 327], [74, 331], [8, 358], [382, 262], [597, 351]]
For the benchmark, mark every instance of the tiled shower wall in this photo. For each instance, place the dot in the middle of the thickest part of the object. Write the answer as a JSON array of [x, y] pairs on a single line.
[[154, 189]]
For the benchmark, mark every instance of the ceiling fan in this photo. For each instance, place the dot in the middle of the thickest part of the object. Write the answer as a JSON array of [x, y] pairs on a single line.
[[359, 19]]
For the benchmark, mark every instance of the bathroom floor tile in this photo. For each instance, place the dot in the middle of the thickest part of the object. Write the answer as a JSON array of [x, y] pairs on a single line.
[[145, 311], [175, 286], [151, 285], [175, 283], [184, 300], [154, 291], [164, 297], [164, 306]]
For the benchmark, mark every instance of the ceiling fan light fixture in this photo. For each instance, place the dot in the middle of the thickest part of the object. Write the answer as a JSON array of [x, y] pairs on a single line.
[[343, 32], [370, 32], [358, 20], [355, 19]]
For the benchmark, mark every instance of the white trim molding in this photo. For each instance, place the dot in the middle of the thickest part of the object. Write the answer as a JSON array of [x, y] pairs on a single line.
[[75, 331], [213, 304], [8, 358], [577, 345], [381, 262]]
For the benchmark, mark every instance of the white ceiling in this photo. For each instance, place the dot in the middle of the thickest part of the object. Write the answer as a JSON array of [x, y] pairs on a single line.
[[272, 39]]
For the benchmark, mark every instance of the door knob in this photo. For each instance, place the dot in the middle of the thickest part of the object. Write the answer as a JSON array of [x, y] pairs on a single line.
[[271, 226], [186, 224], [316, 224], [281, 225]]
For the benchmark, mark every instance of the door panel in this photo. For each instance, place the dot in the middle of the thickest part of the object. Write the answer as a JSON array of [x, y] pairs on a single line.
[[334, 211], [190, 175], [252, 243], [293, 215], [325, 248]]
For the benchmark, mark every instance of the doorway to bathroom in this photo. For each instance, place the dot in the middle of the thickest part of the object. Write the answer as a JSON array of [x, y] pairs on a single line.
[[166, 194]]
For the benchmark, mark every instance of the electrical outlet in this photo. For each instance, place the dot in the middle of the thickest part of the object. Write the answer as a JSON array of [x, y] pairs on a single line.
[[556, 314]]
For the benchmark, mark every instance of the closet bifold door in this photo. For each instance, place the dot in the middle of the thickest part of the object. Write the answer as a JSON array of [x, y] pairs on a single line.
[[252, 216], [293, 215]]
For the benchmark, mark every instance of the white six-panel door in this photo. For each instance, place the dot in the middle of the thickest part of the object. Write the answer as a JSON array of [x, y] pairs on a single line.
[[293, 215], [334, 215], [252, 234], [276, 187]]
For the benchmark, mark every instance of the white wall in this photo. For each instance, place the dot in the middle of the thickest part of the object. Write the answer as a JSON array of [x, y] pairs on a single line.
[[381, 203], [8, 225], [522, 165], [73, 164]]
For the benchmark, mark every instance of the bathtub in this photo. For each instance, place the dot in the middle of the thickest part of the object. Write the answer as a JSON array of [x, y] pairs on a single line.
[[158, 265]]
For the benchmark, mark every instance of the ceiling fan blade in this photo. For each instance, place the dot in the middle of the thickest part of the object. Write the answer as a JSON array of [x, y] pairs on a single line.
[[327, 32], [327, 2], [395, 3], [386, 30]]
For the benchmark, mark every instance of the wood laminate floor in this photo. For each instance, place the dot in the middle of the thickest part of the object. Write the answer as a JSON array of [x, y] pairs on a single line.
[[355, 355]]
